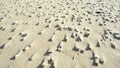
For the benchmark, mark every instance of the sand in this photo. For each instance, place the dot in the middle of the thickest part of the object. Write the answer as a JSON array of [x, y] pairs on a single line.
[[59, 33]]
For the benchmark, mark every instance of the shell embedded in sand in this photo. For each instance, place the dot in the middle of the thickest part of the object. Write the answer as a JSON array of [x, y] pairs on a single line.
[[75, 48], [65, 39]]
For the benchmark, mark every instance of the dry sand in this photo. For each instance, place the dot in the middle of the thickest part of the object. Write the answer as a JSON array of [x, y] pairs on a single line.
[[59, 33]]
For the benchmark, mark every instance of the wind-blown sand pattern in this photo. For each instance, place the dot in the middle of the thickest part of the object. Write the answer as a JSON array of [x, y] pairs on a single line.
[[59, 33]]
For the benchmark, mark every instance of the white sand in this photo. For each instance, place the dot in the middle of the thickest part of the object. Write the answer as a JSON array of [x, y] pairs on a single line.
[[59, 33]]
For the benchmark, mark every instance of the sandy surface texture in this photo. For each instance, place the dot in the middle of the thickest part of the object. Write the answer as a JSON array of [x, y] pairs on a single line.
[[59, 33]]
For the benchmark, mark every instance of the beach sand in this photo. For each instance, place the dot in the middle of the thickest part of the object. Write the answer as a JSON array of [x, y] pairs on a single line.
[[59, 33]]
